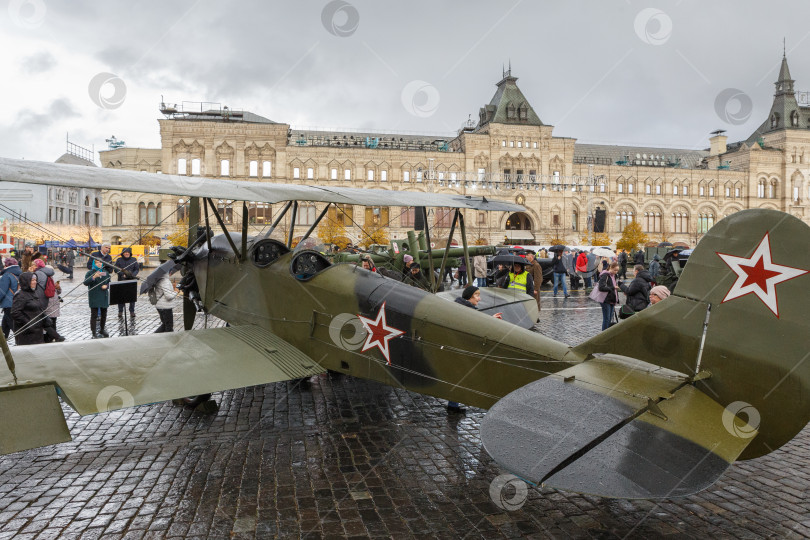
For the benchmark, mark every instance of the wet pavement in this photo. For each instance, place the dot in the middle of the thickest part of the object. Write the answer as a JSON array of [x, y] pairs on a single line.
[[342, 457]]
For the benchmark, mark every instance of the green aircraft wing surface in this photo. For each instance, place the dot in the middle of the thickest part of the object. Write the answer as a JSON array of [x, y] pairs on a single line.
[[615, 427], [107, 374]]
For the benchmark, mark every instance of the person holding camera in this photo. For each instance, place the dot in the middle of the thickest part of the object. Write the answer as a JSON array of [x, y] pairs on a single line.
[[127, 268]]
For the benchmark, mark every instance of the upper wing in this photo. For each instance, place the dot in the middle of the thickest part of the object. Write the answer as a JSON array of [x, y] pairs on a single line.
[[37, 172], [107, 374]]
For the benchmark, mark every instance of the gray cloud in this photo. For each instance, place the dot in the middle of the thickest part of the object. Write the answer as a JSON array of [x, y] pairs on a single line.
[[60, 109], [583, 66], [38, 63]]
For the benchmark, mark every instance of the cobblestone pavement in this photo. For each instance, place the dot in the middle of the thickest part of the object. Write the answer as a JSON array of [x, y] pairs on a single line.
[[343, 457]]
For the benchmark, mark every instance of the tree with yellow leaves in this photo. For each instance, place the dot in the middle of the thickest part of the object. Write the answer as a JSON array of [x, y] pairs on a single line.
[[180, 236], [632, 237], [590, 238], [332, 232], [375, 235]]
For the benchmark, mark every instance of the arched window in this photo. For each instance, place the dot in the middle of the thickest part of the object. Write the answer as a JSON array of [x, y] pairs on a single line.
[[142, 214], [652, 222], [225, 167], [225, 209], [623, 217], [97, 204], [151, 214], [181, 167], [680, 222], [705, 222], [181, 210], [195, 166], [574, 220], [87, 201]]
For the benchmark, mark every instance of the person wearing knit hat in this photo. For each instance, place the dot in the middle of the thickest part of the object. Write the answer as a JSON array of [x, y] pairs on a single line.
[[408, 260], [469, 290], [9, 261], [658, 293]]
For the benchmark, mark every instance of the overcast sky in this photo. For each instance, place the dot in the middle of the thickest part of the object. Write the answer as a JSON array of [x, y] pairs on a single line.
[[614, 72]]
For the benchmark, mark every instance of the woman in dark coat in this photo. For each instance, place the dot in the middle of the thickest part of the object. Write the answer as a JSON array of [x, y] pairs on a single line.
[[26, 312], [97, 281], [638, 292]]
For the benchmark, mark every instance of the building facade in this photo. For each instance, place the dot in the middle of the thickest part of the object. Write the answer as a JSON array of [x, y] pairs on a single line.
[[509, 154], [56, 205]]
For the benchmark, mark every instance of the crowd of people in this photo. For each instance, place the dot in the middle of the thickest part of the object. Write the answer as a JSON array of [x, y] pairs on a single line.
[[31, 297]]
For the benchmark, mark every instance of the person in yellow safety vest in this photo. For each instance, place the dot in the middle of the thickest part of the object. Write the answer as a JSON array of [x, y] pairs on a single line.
[[519, 280]]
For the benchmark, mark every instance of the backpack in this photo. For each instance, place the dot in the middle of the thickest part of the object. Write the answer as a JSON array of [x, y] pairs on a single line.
[[50, 287]]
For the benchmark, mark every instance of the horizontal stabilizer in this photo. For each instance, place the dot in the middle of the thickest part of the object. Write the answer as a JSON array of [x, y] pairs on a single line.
[[107, 374], [614, 427]]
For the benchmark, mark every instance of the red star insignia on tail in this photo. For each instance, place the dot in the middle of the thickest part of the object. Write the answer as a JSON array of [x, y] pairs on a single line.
[[758, 274], [379, 333]]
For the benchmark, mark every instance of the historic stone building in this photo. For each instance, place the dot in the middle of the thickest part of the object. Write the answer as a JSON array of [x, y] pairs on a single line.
[[508, 154]]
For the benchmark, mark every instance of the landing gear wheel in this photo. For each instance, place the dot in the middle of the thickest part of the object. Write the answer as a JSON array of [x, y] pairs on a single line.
[[193, 401]]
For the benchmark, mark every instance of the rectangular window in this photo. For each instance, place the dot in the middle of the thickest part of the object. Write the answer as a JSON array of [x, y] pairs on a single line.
[[253, 169], [482, 218], [310, 173], [601, 188], [406, 176], [333, 174], [620, 188], [419, 175], [511, 144], [444, 217], [701, 191], [453, 176], [296, 172], [647, 189], [195, 167], [711, 191], [629, 188], [384, 176], [728, 192], [761, 191], [406, 219], [658, 189], [534, 145], [795, 194], [267, 169], [347, 174], [181, 166], [685, 191], [503, 143], [737, 193], [520, 144], [370, 175], [225, 167], [482, 174], [674, 189]]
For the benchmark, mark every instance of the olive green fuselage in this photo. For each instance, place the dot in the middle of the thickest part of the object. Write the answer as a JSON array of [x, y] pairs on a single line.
[[445, 349]]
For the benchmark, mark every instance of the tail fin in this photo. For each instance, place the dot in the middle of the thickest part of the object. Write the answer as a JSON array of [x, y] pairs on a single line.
[[739, 316]]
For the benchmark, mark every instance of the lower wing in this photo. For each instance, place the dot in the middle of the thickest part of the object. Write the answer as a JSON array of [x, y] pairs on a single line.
[[103, 375]]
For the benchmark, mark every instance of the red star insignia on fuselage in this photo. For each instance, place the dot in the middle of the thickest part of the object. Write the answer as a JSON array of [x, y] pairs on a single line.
[[758, 274], [379, 333]]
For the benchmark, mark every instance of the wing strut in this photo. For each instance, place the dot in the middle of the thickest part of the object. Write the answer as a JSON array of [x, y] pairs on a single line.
[[278, 220], [9, 359], [434, 286], [224, 228], [447, 247]]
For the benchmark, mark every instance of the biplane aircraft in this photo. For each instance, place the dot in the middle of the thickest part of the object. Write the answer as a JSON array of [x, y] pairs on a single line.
[[656, 406]]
